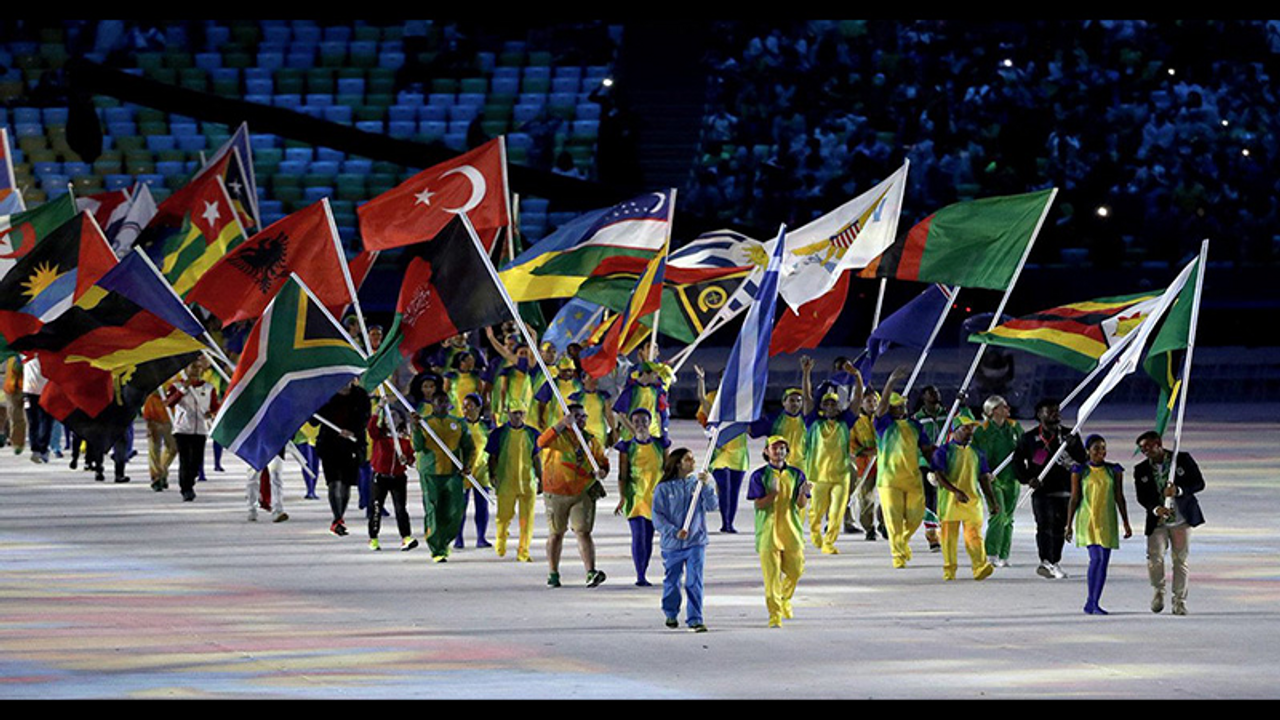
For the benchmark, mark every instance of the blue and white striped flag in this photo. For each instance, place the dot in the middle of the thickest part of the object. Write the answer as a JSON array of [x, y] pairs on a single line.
[[741, 395]]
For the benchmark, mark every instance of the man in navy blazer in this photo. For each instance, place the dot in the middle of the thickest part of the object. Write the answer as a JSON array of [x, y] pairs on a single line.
[[1168, 524]]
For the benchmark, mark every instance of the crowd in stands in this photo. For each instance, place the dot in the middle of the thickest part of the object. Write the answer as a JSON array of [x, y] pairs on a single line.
[[1168, 125]]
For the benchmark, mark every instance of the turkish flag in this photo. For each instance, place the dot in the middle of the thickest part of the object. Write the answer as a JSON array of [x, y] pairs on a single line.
[[419, 208], [242, 283], [806, 329]]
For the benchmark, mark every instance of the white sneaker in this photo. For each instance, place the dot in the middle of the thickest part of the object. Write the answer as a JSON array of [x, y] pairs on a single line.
[[253, 515], [1045, 570], [1057, 571], [1000, 562]]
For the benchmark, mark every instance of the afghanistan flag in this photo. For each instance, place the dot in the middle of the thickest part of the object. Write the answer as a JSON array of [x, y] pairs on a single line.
[[240, 285], [1077, 335], [976, 244], [21, 231], [192, 230], [296, 358], [446, 291], [54, 274], [1165, 356], [601, 243]]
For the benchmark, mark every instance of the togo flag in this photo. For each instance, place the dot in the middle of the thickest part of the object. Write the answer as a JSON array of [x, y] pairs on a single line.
[[295, 359]]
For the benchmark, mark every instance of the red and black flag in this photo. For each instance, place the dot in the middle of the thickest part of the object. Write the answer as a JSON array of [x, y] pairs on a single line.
[[446, 291]]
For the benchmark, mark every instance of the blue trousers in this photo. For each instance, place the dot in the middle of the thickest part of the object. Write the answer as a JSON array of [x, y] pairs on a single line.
[[728, 487], [313, 462], [364, 485], [641, 545], [687, 562], [1099, 559]]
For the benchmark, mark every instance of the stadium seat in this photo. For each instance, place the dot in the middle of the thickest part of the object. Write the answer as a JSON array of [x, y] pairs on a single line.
[[329, 155], [438, 113], [338, 114]]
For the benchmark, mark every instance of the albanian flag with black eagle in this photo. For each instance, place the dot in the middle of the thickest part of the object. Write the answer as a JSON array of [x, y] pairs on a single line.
[[447, 290]]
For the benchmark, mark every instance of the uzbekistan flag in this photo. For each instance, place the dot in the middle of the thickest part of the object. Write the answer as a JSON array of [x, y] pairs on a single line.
[[600, 243]]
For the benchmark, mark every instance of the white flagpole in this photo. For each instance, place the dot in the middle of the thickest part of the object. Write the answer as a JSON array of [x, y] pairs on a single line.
[[875, 319], [1186, 366], [422, 422], [666, 249], [346, 275], [588, 325], [995, 318], [524, 330], [706, 462]]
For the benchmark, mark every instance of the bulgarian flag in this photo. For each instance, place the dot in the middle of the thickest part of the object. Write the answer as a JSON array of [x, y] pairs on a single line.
[[976, 244], [1078, 334]]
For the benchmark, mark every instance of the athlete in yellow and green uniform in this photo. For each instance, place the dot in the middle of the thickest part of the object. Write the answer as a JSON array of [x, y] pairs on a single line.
[[514, 385], [899, 442], [600, 420], [779, 491], [1096, 498], [828, 464], [648, 393], [729, 460], [961, 469], [443, 501], [639, 469], [547, 410], [478, 428], [463, 380], [514, 468]]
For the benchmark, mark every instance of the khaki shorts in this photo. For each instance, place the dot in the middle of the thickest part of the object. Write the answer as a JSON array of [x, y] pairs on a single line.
[[570, 511]]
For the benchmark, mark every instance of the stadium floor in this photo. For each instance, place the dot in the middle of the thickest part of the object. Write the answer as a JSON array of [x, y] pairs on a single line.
[[113, 591]]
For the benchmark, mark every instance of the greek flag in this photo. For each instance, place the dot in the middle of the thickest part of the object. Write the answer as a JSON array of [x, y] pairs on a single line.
[[741, 395]]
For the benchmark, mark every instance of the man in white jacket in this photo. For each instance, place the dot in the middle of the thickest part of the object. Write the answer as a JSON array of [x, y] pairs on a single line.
[[194, 403]]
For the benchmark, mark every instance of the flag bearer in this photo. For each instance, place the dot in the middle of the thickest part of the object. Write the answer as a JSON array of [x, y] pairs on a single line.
[[514, 471], [780, 492], [443, 500]]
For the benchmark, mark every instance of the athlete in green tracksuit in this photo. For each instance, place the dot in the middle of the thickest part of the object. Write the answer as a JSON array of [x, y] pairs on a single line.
[[443, 499], [997, 438]]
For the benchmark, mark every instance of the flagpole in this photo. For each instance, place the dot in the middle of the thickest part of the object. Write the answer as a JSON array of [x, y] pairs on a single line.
[[875, 319], [937, 328], [1186, 366], [995, 318], [512, 225], [346, 274], [524, 330], [706, 462], [422, 422], [666, 251], [1114, 352], [588, 325]]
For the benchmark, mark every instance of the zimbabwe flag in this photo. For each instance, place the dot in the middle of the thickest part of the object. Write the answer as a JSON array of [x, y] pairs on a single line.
[[976, 244], [1076, 335]]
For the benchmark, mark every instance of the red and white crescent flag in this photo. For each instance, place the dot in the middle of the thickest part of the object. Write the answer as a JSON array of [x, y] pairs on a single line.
[[419, 208]]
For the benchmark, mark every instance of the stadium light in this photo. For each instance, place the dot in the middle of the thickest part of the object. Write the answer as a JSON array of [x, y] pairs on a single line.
[[608, 82], [1103, 211], [1007, 63], [1171, 72], [1225, 123], [1245, 152]]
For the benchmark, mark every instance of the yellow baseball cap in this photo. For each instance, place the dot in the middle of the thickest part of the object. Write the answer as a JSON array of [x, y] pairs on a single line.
[[774, 439], [791, 391], [516, 407], [896, 399], [963, 420], [831, 396]]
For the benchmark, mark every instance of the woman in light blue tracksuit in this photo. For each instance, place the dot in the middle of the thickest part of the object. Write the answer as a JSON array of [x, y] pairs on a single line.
[[683, 552]]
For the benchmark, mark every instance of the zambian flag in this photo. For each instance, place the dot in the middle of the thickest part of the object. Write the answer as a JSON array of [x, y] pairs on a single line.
[[974, 244], [1164, 356], [295, 359], [1076, 335]]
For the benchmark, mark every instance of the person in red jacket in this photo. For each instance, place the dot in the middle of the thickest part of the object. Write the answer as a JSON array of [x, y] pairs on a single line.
[[391, 455]]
